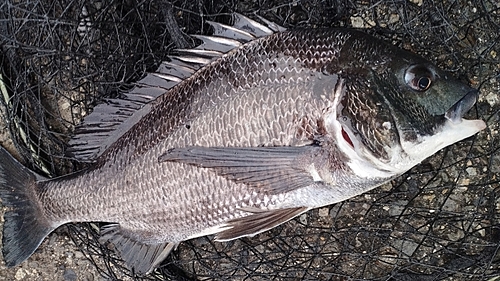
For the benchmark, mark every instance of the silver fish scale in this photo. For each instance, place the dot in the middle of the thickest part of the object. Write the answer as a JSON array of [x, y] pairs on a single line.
[[243, 99]]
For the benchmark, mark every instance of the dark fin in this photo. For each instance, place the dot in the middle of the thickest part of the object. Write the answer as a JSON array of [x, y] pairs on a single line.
[[258, 222], [110, 120], [255, 28], [272, 25], [274, 169], [231, 32], [140, 257], [24, 228]]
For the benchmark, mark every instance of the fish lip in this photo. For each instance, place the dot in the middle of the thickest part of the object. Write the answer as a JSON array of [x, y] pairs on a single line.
[[458, 110]]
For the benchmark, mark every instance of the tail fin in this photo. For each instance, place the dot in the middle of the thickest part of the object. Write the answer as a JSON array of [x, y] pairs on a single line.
[[25, 227]]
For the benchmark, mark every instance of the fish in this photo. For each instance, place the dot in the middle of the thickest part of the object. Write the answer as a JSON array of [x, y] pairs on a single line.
[[255, 126]]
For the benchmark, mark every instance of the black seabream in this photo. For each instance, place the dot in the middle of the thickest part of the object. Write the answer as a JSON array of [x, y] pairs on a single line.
[[255, 126]]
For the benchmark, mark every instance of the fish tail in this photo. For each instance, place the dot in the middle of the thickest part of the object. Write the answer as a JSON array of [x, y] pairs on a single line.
[[25, 226]]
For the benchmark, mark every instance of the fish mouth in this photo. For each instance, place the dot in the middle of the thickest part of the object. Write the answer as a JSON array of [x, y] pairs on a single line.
[[458, 110]]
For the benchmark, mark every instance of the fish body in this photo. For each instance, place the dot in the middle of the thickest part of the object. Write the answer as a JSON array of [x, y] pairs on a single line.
[[253, 128]]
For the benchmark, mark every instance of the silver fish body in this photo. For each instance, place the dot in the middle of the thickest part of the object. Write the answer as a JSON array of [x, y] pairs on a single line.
[[283, 122]]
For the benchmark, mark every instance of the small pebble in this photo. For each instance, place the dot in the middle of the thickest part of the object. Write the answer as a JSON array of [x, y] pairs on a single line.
[[418, 2], [303, 218], [20, 274], [471, 171], [393, 18], [492, 99], [323, 212], [70, 275], [78, 255], [357, 22]]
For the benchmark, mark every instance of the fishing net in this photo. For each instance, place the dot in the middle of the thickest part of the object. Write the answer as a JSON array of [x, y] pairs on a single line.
[[439, 221]]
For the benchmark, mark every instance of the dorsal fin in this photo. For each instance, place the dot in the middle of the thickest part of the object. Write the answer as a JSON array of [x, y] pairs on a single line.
[[110, 120]]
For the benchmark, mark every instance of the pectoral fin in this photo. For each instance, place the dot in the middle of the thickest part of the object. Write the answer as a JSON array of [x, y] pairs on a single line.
[[258, 222], [274, 169], [140, 257]]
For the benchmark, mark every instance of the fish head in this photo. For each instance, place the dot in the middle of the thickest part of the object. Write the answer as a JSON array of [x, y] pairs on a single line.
[[396, 109]]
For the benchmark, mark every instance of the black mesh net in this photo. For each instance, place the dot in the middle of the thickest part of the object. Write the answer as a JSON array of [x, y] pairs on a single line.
[[439, 221]]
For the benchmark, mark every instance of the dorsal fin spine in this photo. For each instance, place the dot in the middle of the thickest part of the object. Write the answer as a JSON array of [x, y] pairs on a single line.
[[110, 120]]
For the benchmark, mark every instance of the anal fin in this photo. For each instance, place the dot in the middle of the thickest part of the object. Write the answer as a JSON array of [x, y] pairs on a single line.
[[257, 222], [140, 257]]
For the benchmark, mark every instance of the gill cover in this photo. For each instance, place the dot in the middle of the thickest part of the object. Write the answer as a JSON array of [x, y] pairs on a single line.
[[398, 108]]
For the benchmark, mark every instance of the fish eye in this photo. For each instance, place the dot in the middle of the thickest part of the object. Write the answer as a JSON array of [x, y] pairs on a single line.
[[422, 84], [419, 78]]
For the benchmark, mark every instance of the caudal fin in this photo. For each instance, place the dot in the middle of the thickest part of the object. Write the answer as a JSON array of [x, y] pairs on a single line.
[[25, 227]]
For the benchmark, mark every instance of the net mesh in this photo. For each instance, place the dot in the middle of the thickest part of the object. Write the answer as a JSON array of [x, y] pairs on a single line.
[[439, 221]]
